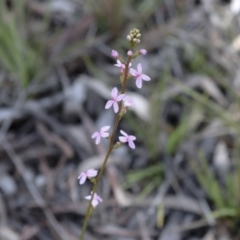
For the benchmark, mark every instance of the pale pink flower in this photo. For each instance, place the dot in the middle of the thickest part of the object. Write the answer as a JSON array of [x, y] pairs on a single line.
[[127, 138], [115, 54], [121, 65], [139, 75], [96, 199], [90, 173], [129, 53], [127, 101], [115, 99], [100, 134], [143, 51]]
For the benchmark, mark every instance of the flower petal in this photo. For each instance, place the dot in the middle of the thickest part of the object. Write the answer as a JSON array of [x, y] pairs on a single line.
[[99, 199], [123, 133], [94, 202], [115, 107], [131, 144], [117, 65], [88, 197], [139, 82], [104, 129], [83, 179], [98, 139], [120, 97], [132, 138], [145, 77], [104, 134], [109, 104], [114, 92], [133, 72], [92, 172], [82, 173], [139, 68], [123, 139], [95, 134]]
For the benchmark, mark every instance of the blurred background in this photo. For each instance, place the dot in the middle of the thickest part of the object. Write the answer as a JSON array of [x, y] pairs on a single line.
[[182, 182]]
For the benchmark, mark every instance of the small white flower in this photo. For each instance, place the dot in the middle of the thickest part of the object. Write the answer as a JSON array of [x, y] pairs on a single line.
[[139, 75], [127, 101], [100, 134], [96, 199], [90, 173], [115, 99], [127, 138]]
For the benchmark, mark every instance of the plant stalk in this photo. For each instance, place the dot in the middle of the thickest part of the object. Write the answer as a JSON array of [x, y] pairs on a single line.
[[110, 148]]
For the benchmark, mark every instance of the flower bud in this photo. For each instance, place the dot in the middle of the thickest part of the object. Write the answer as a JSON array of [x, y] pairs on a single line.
[[142, 51], [134, 37], [129, 53], [115, 54]]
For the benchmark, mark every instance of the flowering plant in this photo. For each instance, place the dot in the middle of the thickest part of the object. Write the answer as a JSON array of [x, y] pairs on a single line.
[[120, 103]]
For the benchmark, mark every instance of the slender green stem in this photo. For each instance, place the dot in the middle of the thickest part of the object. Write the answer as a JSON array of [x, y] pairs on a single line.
[[110, 148]]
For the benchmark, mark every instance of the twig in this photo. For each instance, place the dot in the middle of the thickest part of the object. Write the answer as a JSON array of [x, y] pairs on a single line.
[[142, 226], [57, 127], [3, 215], [56, 228], [7, 122], [7, 114]]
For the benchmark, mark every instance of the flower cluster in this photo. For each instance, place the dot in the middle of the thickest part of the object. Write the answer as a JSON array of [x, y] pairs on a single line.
[[120, 103]]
